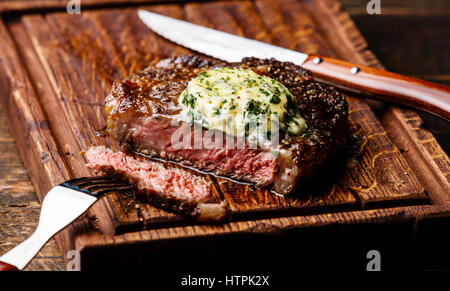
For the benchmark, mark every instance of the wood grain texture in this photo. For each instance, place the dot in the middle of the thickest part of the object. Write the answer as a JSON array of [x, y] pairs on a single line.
[[32, 5], [93, 53], [420, 147], [354, 49], [19, 206], [66, 64], [414, 45]]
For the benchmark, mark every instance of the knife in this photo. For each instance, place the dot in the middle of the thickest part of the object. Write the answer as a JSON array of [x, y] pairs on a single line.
[[373, 83]]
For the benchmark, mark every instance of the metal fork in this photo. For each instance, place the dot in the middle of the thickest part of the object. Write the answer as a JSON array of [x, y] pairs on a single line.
[[62, 205]]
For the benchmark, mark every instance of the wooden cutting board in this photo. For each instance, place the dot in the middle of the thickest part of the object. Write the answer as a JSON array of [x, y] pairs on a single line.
[[56, 68]]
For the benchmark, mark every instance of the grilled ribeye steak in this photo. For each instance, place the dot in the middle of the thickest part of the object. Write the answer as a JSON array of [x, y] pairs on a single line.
[[141, 108], [167, 187]]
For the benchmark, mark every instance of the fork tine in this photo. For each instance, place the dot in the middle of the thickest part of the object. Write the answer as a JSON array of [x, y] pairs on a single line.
[[77, 181], [97, 186], [101, 183], [115, 189]]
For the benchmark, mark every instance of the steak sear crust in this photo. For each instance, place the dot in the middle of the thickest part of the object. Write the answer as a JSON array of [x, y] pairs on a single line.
[[141, 109]]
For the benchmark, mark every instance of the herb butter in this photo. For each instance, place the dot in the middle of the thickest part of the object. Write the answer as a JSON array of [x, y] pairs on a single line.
[[234, 100]]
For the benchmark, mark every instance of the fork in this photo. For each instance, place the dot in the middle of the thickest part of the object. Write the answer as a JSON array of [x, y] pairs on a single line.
[[62, 205]]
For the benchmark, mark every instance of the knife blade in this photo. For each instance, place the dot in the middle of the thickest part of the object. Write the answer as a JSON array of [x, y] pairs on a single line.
[[218, 44], [369, 82]]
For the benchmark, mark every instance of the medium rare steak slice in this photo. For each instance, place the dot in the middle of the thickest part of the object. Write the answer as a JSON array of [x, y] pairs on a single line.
[[166, 187], [143, 115]]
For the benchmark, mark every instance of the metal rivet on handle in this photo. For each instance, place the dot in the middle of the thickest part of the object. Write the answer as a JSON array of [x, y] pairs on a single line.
[[354, 70], [317, 60]]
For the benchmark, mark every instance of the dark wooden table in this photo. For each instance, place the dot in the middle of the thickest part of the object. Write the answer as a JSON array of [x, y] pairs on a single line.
[[411, 37]]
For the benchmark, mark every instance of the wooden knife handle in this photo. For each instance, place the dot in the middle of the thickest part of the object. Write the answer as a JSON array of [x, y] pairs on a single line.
[[382, 85], [7, 267]]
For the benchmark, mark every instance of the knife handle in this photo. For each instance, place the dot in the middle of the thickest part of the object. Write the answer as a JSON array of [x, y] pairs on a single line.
[[382, 85], [7, 267]]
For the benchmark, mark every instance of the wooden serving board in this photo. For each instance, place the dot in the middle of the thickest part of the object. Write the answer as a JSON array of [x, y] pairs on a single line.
[[56, 68]]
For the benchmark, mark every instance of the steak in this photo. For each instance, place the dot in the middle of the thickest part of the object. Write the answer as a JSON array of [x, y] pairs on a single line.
[[141, 109], [167, 187]]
